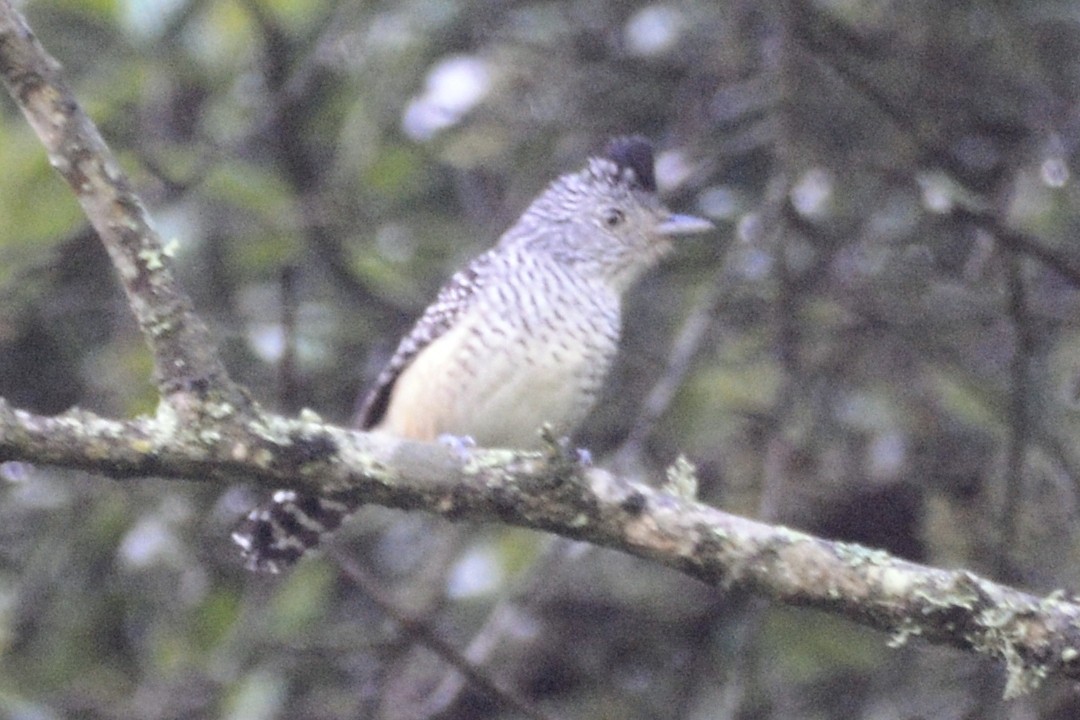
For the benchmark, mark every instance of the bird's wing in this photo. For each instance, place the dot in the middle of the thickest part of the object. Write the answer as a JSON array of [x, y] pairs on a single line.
[[453, 300]]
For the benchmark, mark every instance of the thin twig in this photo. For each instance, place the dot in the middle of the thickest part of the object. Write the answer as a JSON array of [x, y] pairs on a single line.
[[288, 369], [929, 145], [683, 351], [1020, 391], [422, 633]]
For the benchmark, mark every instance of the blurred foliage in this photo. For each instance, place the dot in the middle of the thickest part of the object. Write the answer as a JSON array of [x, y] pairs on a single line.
[[879, 344]]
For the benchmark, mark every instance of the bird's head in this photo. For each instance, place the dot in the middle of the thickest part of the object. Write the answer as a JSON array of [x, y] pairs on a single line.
[[606, 219]]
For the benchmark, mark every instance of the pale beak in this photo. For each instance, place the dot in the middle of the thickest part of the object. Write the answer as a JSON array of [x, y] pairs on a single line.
[[683, 225]]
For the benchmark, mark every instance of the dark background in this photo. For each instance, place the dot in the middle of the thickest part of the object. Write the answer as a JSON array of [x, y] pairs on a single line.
[[878, 344]]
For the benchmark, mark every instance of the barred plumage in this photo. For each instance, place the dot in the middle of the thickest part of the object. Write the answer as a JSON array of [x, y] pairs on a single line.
[[523, 336]]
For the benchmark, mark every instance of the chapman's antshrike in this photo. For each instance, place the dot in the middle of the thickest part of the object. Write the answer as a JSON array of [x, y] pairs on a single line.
[[523, 336]]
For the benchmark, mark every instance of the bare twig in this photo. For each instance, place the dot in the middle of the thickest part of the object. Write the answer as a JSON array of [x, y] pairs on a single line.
[[289, 383], [504, 619], [680, 359], [1020, 392], [930, 145], [1020, 242], [423, 633]]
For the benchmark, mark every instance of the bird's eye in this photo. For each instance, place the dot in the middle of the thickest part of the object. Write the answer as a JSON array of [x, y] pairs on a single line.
[[613, 217]]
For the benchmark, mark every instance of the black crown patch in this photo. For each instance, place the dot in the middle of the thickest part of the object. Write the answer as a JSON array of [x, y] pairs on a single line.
[[634, 153]]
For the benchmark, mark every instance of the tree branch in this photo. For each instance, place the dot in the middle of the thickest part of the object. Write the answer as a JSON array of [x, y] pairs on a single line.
[[185, 356], [547, 491]]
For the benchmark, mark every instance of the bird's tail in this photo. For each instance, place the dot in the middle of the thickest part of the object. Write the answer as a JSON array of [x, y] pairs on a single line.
[[276, 534]]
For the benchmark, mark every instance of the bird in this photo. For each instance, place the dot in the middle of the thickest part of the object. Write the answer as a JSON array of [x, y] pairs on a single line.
[[520, 338]]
